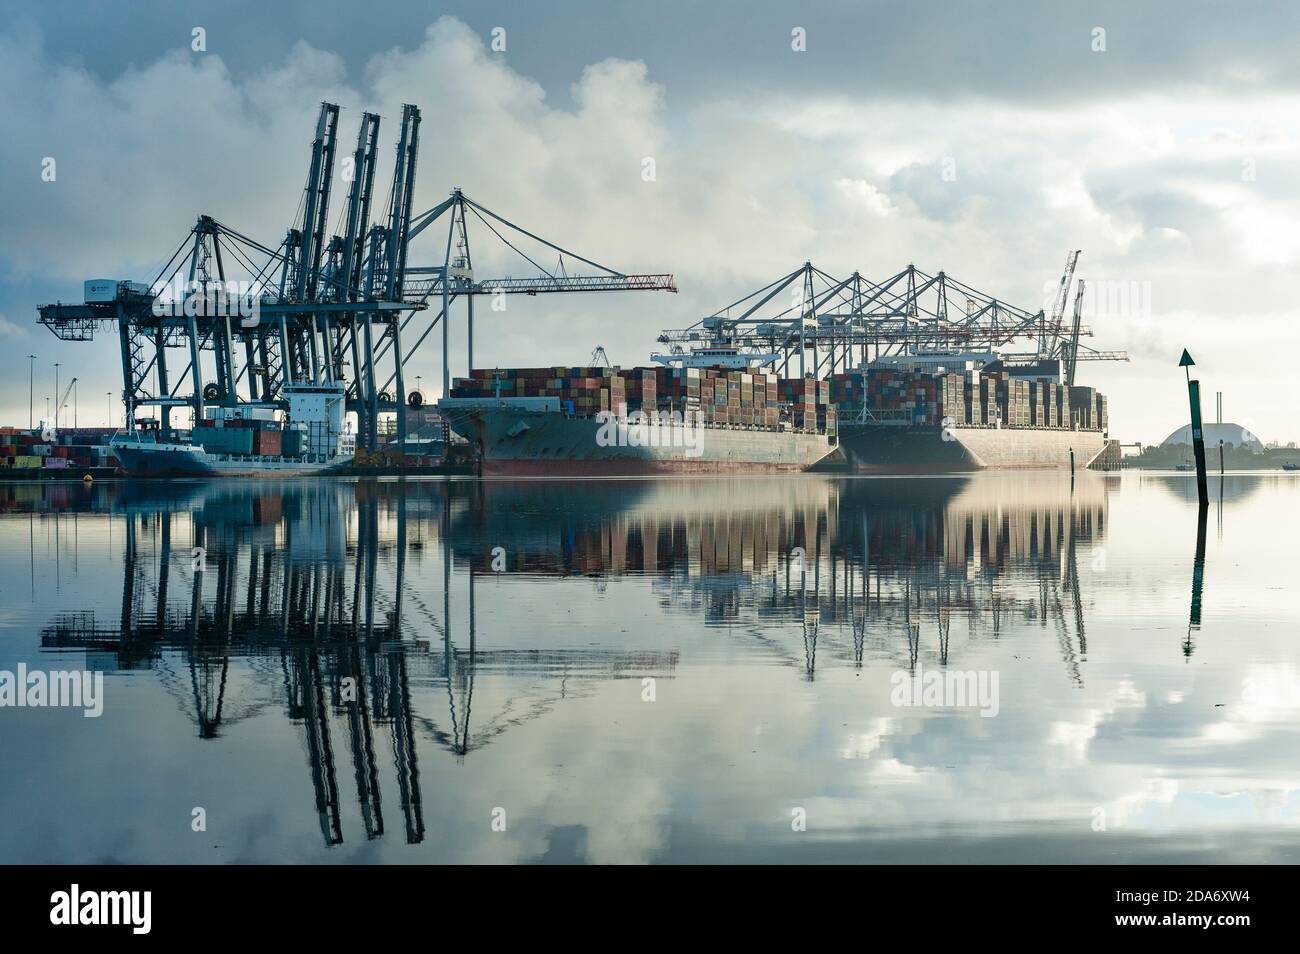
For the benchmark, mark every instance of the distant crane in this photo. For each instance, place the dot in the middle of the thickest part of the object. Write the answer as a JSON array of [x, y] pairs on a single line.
[[64, 400], [598, 356], [837, 322], [1049, 335], [1072, 360]]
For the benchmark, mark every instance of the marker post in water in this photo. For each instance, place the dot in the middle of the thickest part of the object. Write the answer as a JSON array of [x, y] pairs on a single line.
[[1198, 435]]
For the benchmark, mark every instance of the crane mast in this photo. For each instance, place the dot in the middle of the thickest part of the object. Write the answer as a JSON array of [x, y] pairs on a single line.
[[1050, 334], [1072, 361]]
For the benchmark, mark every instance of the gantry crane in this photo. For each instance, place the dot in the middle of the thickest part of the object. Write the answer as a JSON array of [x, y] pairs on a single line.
[[829, 324], [295, 316]]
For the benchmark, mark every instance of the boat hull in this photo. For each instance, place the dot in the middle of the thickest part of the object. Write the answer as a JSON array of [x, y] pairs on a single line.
[[520, 442], [188, 460], [885, 449]]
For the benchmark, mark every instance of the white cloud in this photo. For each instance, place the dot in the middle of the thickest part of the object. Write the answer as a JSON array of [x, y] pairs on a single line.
[[10, 330]]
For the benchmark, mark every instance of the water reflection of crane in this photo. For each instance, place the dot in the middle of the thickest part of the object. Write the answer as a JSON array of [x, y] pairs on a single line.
[[280, 578]]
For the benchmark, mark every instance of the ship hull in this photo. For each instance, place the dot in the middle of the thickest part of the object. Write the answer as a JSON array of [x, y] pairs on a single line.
[[884, 449], [527, 443], [187, 460]]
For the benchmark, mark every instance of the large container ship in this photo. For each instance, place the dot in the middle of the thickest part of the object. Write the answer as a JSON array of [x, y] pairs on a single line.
[[949, 413], [711, 413], [248, 441]]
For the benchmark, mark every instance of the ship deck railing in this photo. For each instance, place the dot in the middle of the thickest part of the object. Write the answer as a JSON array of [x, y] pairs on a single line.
[[273, 458]]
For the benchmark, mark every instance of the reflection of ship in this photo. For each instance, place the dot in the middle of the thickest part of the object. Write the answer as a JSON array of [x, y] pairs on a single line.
[[308, 439], [873, 560]]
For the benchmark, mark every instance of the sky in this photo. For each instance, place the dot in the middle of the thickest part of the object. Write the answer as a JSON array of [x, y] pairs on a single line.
[[985, 139]]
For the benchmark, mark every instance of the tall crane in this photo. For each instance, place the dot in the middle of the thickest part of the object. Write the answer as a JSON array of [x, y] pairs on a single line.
[[1049, 335]]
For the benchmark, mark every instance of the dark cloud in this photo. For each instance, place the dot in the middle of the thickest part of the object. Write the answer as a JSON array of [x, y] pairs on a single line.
[[1012, 50]]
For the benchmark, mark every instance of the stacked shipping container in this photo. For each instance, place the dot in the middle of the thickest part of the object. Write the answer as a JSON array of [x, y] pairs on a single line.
[[809, 403], [970, 398], [718, 395], [80, 449], [580, 390]]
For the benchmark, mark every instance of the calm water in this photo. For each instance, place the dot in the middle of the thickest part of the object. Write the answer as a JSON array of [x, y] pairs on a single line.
[[664, 670]]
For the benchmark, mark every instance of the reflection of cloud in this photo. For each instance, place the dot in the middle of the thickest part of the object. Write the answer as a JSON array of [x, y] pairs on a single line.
[[1153, 793], [861, 745], [1269, 697]]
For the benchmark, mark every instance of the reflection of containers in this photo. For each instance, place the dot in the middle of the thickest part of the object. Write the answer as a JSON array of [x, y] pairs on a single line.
[[266, 510]]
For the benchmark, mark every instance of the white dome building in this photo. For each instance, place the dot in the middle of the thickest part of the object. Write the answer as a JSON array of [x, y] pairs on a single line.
[[1232, 435]]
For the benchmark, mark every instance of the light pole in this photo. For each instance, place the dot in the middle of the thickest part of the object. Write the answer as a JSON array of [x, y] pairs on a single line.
[[74, 404], [109, 395], [419, 427], [31, 391]]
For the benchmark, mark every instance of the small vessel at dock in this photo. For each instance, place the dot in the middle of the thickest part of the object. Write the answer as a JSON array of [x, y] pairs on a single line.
[[306, 439]]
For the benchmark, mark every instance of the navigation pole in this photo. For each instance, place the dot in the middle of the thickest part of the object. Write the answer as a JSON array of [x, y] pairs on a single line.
[[1198, 436]]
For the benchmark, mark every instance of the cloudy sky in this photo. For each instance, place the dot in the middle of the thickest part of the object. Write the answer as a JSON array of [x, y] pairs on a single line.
[[1169, 157]]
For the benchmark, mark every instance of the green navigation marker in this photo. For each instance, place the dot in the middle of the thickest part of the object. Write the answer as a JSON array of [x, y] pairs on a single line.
[[1198, 435]]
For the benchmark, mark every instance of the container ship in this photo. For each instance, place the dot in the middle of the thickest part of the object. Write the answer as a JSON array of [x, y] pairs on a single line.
[[247, 441], [711, 413], [950, 413]]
